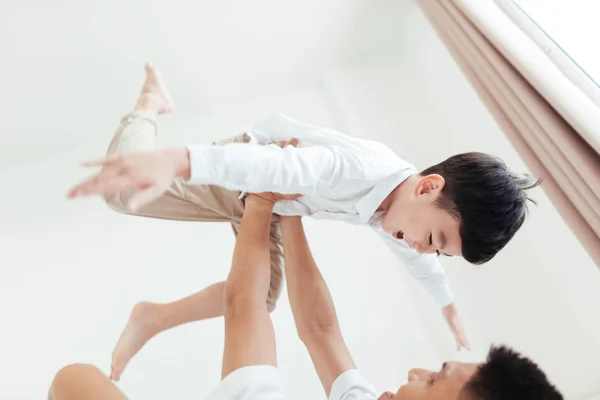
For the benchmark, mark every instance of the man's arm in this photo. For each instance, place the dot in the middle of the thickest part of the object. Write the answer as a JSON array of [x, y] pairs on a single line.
[[249, 336], [312, 306]]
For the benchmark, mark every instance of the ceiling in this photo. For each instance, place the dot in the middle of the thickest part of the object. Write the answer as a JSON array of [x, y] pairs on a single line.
[[63, 60]]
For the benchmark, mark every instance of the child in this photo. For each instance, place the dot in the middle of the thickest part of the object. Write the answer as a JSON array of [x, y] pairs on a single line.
[[469, 205]]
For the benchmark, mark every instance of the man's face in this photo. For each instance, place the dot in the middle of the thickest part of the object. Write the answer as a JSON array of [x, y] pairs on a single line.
[[414, 217], [443, 385]]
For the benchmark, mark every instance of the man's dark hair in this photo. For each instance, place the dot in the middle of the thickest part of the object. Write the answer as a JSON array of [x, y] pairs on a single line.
[[488, 199], [507, 375]]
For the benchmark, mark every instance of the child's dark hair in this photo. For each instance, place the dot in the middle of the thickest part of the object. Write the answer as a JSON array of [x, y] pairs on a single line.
[[507, 375], [488, 199]]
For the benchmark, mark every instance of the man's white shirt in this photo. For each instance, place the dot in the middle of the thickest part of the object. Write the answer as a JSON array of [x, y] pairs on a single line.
[[263, 382]]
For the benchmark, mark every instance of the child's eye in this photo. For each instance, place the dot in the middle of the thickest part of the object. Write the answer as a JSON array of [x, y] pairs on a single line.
[[431, 243]]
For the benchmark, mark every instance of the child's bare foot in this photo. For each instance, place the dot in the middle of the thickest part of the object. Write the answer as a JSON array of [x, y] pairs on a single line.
[[143, 324], [154, 97]]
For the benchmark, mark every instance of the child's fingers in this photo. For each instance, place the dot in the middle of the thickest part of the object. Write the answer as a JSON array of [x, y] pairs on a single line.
[[462, 342]]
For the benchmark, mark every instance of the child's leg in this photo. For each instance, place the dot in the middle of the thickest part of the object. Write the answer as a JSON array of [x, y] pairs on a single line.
[[149, 319], [137, 132], [83, 382]]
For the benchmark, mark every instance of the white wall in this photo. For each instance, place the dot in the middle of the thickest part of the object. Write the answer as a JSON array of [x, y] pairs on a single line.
[[592, 397], [72, 270]]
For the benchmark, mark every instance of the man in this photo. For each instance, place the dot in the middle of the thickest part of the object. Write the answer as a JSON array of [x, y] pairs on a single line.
[[249, 360]]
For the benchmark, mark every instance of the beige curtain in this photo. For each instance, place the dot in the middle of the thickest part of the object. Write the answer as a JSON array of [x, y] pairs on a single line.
[[552, 147]]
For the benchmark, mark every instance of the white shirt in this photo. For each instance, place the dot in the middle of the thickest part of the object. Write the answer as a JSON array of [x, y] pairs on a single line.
[[256, 382], [351, 385], [263, 382], [339, 177]]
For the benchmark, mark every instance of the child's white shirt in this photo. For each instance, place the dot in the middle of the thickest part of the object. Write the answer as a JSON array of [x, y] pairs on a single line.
[[339, 177]]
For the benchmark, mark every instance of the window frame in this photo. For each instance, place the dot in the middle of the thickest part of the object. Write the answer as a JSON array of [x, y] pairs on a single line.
[[567, 65]]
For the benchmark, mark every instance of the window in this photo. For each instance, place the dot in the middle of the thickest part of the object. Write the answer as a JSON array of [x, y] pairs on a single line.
[[568, 31]]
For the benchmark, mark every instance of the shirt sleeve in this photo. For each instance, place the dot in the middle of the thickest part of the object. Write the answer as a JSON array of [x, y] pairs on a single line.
[[425, 268], [351, 385], [253, 168], [251, 383]]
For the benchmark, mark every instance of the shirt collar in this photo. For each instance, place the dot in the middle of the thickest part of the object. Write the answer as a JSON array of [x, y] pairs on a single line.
[[367, 206]]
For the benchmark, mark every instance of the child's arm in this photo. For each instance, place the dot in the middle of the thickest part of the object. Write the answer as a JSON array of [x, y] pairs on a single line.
[[256, 169], [423, 267], [427, 270], [242, 167], [236, 166], [323, 159]]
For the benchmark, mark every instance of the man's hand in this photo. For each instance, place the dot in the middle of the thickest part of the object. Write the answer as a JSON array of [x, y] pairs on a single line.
[[454, 322], [148, 174], [273, 197]]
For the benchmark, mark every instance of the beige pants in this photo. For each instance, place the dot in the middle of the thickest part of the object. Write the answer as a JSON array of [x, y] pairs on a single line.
[[185, 202]]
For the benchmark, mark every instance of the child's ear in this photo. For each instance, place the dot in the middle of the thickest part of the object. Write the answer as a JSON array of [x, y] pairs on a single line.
[[430, 185]]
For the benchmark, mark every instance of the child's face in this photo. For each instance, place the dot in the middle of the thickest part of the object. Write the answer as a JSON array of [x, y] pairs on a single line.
[[414, 218]]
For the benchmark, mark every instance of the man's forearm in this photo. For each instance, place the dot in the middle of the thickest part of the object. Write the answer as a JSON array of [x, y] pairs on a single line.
[[310, 300], [250, 272], [312, 306], [249, 335]]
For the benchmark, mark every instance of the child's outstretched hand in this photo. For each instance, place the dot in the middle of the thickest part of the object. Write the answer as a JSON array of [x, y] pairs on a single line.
[[454, 322], [149, 174]]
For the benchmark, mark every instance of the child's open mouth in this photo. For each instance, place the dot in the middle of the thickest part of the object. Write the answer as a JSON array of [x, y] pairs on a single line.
[[399, 235]]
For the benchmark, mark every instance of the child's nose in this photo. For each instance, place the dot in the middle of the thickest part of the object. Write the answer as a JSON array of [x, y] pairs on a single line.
[[418, 375], [424, 249]]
